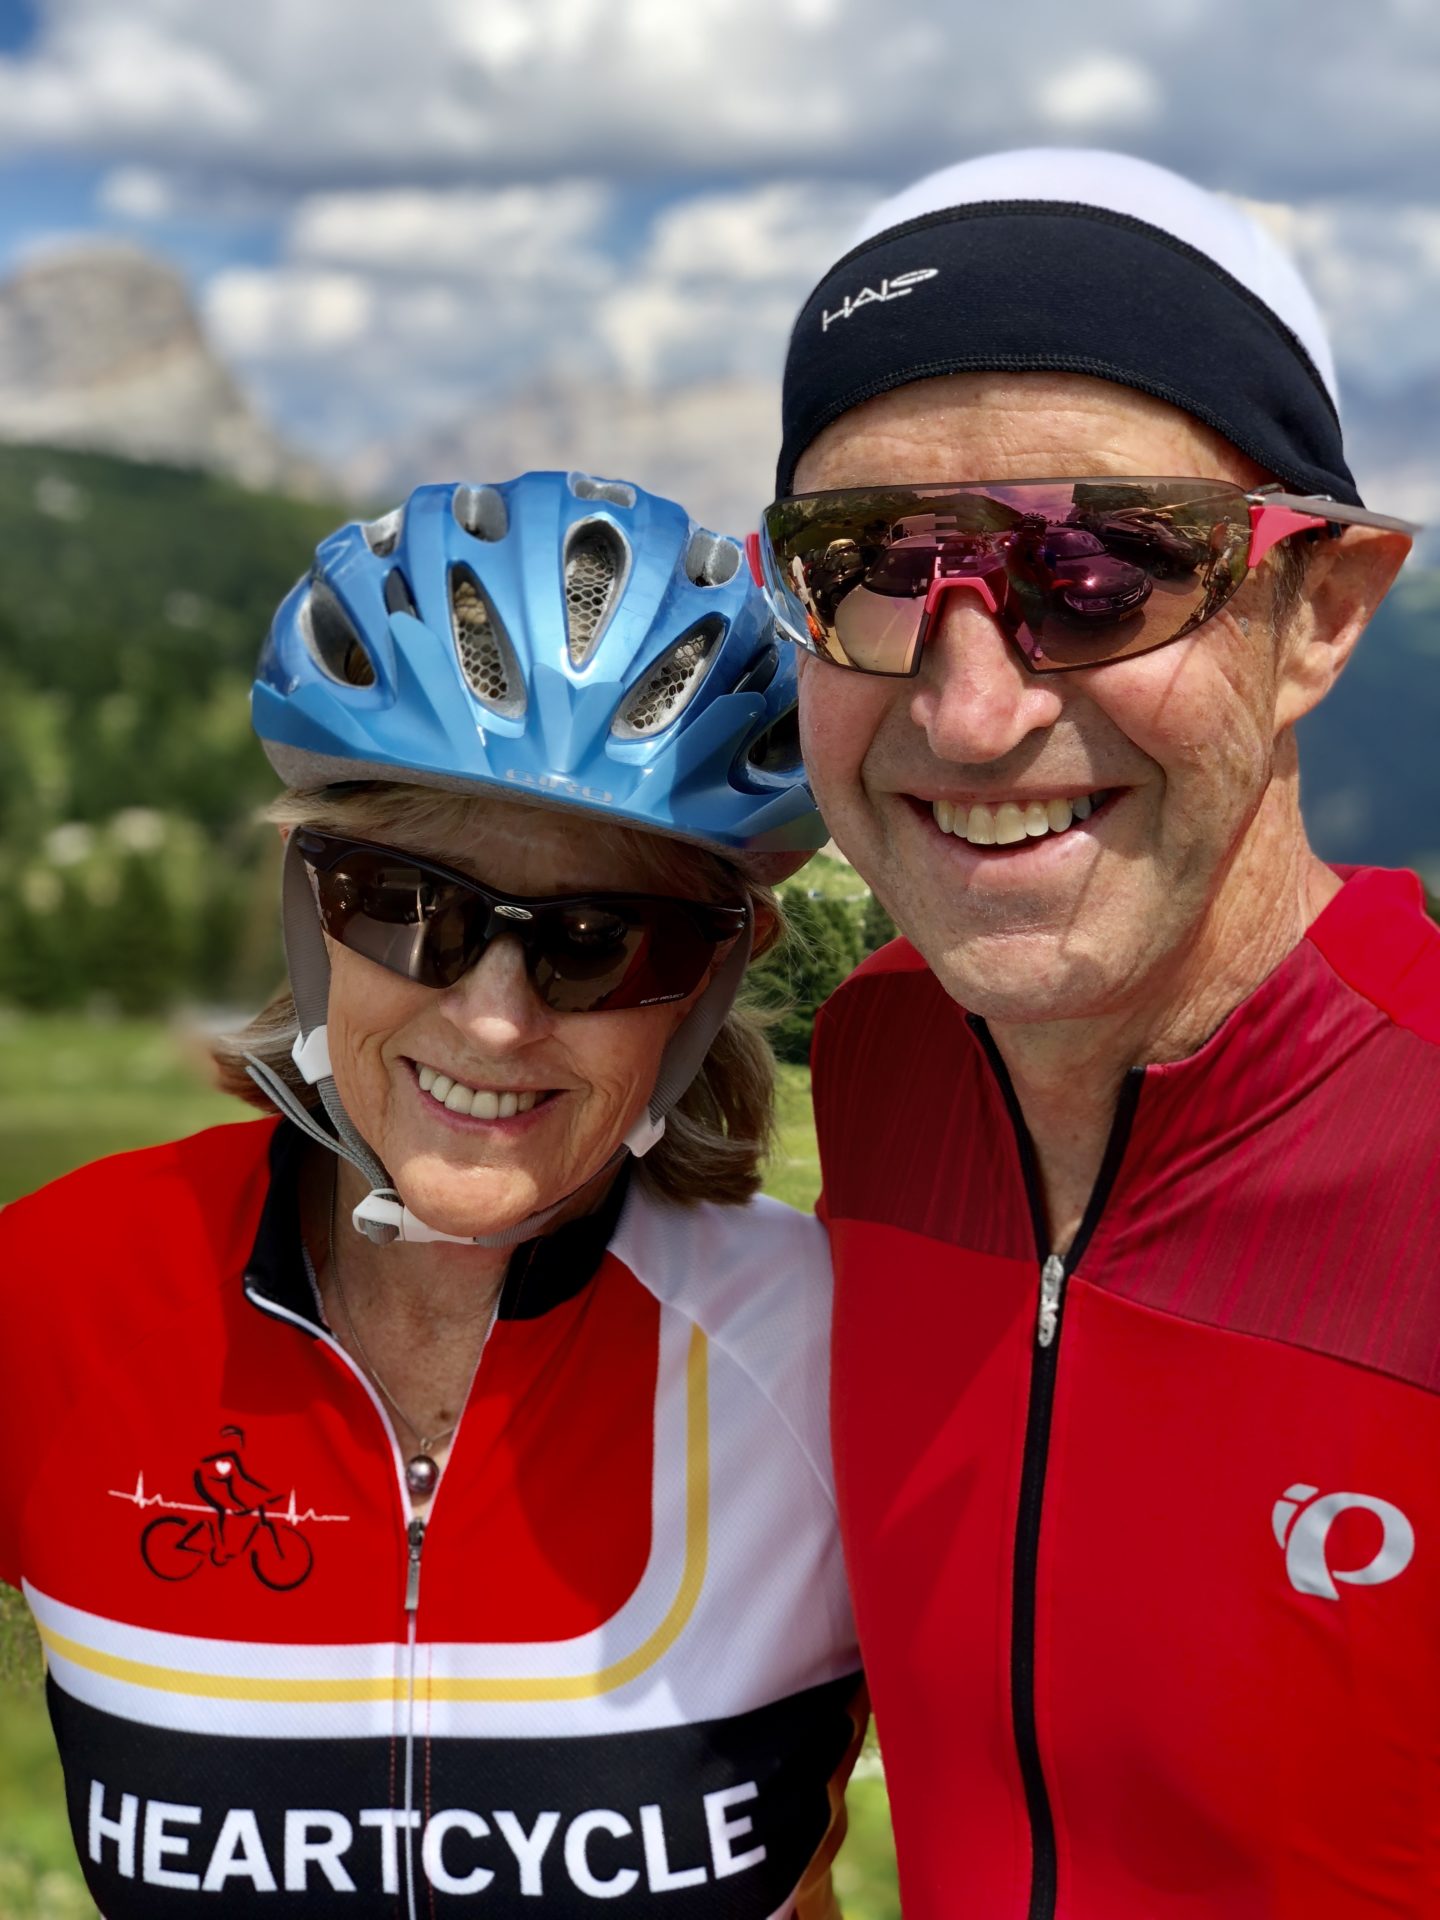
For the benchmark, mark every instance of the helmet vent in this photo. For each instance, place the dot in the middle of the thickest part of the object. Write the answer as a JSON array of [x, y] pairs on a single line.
[[710, 559], [614, 493], [671, 683], [777, 751], [398, 597], [490, 668], [596, 562], [481, 512], [382, 536], [331, 637]]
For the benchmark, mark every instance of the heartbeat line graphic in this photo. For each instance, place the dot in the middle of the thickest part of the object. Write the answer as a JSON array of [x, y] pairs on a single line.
[[138, 1497]]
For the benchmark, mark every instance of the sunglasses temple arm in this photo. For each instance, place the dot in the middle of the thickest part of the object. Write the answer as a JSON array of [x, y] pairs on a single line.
[[1280, 514], [752, 554]]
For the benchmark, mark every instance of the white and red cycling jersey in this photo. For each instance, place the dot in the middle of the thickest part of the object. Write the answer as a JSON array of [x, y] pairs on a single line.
[[1145, 1541], [613, 1670]]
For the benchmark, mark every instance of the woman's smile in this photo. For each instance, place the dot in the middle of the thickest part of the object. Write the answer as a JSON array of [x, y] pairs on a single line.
[[468, 1107]]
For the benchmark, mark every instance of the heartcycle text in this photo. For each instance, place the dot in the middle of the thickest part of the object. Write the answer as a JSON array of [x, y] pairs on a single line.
[[601, 1852]]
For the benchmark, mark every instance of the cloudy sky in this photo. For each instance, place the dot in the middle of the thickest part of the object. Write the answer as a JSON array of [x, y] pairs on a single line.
[[391, 213]]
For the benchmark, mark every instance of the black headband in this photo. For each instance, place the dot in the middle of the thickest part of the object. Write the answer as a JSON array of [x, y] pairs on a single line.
[[1030, 286]]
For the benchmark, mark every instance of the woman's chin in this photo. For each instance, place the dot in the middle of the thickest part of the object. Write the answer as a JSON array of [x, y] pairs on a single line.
[[473, 1215]]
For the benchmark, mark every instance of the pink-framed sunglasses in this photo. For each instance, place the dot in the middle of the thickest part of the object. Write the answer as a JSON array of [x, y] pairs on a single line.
[[1076, 572]]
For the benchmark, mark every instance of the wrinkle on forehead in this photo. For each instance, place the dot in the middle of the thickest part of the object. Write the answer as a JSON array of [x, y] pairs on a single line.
[[997, 426]]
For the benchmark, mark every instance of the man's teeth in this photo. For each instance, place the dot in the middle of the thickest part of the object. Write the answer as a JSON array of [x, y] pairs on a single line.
[[479, 1102], [1009, 823]]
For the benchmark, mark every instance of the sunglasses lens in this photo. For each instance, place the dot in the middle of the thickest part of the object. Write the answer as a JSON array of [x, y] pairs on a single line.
[[585, 953], [601, 953], [602, 956], [408, 920], [1076, 572]]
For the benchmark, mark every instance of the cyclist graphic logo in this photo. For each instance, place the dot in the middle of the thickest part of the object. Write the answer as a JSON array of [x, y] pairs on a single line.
[[1302, 1524], [235, 1523]]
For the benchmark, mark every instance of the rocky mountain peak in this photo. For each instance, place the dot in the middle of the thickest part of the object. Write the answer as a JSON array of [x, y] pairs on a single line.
[[101, 347]]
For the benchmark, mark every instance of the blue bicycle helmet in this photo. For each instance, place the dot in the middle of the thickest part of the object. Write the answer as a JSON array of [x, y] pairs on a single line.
[[562, 640], [559, 638]]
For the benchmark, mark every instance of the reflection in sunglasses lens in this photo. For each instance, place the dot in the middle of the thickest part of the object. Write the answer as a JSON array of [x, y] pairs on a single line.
[[1074, 572], [582, 955]]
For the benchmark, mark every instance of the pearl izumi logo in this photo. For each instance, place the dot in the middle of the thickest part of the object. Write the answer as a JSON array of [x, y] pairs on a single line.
[[898, 288], [1302, 1526]]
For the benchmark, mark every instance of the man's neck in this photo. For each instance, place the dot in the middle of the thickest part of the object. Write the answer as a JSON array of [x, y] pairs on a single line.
[[1068, 1074]]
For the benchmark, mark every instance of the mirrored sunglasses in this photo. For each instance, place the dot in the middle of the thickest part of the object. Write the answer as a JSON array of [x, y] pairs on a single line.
[[1075, 572]]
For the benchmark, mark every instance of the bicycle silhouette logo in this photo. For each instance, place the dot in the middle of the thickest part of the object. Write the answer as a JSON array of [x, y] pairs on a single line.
[[235, 1523]]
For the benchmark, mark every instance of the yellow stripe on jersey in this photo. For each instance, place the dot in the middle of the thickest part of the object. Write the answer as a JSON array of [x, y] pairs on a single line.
[[587, 1686]]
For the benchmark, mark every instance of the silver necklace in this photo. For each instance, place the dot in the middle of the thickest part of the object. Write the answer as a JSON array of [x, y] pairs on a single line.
[[422, 1470]]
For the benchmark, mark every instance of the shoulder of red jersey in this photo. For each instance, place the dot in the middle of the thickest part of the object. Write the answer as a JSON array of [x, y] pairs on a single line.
[[188, 1205], [755, 1279], [888, 966], [896, 956], [883, 987], [106, 1258], [1380, 940]]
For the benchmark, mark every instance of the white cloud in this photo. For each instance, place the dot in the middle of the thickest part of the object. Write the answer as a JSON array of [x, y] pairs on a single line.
[[716, 289], [537, 234], [405, 306], [1102, 93], [455, 181], [785, 231], [308, 90], [123, 76], [136, 193], [1374, 268], [255, 313]]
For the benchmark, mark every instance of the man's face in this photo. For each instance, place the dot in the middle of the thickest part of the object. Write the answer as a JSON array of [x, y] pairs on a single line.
[[1173, 751]]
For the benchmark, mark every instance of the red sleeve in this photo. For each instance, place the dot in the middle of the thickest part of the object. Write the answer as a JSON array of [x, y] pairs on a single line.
[[33, 1393], [90, 1262]]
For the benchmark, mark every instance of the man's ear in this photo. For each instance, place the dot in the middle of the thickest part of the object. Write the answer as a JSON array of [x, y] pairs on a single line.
[[1345, 581]]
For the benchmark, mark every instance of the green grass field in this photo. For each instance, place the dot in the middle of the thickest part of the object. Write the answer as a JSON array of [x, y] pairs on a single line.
[[69, 1092]]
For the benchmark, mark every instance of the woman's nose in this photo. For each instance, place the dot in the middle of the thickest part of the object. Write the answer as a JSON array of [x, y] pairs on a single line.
[[972, 697], [495, 1003]]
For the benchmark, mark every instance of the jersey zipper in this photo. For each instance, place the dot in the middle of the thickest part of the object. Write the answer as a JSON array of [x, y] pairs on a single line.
[[414, 1545], [1055, 1270]]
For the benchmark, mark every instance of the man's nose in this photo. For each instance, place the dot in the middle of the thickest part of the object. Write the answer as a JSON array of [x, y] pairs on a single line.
[[495, 1004], [973, 698]]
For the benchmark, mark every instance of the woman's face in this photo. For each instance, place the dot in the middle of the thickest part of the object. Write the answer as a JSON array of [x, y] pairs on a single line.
[[584, 1078]]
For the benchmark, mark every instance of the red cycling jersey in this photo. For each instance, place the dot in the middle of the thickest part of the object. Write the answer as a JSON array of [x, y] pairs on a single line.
[[614, 1661], [1145, 1542]]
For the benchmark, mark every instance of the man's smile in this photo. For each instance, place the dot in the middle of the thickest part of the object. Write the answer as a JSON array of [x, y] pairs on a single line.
[[1008, 822]]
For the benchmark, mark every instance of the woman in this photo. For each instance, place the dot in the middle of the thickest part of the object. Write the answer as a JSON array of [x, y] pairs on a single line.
[[427, 1497]]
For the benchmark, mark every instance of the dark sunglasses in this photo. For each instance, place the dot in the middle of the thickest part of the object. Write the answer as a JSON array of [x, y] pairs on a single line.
[[1075, 572], [584, 952]]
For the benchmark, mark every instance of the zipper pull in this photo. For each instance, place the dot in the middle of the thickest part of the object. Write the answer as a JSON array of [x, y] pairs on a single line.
[[415, 1533], [1052, 1279]]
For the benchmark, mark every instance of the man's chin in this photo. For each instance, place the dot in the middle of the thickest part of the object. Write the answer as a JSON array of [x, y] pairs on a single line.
[[1024, 978]]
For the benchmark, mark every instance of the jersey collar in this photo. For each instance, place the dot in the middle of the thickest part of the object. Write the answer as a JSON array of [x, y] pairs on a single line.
[[541, 1275]]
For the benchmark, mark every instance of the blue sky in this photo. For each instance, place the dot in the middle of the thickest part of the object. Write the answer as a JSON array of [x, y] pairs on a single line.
[[18, 20], [388, 214]]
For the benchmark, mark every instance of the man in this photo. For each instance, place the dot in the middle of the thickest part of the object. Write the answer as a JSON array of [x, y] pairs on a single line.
[[1130, 1145]]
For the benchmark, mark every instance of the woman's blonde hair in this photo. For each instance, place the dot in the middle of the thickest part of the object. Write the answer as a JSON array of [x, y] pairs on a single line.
[[717, 1135]]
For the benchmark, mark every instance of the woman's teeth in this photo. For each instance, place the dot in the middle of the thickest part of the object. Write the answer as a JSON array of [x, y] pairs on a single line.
[[1010, 823], [479, 1102]]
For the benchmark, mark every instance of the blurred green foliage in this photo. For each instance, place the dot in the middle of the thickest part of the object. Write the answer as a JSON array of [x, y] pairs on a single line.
[[136, 599], [832, 921]]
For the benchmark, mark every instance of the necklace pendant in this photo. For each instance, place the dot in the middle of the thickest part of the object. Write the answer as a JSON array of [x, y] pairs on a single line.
[[421, 1475]]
